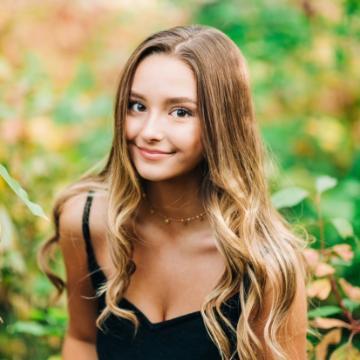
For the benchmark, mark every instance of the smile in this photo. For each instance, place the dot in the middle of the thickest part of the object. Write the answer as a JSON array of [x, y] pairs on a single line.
[[153, 155]]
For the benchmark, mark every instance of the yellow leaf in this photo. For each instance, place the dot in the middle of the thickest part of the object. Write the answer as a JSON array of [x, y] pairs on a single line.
[[328, 131], [43, 131], [332, 337], [328, 323], [319, 288], [311, 257], [329, 10], [352, 292], [6, 72], [323, 269], [12, 131], [344, 251]]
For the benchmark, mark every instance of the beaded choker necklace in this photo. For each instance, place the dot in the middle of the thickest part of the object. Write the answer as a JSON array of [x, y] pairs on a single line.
[[168, 219]]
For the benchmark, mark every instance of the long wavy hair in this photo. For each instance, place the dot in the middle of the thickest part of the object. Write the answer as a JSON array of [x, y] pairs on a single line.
[[251, 234]]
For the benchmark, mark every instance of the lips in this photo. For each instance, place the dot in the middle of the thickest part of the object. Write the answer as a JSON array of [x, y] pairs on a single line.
[[151, 151], [153, 155]]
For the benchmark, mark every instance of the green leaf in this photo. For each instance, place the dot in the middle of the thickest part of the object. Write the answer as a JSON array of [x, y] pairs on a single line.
[[7, 230], [58, 314], [288, 197], [83, 80], [28, 327], [345, 352], [350, 304], [343, 227], [324, 183], [324, 311], [21, 193]]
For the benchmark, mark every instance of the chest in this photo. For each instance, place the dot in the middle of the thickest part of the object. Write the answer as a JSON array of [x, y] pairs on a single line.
[[172, 277]]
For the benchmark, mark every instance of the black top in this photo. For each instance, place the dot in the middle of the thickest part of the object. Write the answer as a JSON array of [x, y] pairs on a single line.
[[179, 338]]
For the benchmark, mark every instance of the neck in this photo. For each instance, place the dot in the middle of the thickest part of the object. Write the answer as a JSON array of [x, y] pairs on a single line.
[[175, 198]]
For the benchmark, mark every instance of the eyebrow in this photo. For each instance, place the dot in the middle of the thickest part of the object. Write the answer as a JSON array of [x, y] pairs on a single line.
[[171, 100]]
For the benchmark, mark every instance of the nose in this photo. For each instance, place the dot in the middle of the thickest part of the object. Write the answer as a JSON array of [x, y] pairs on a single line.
[[153, 128]]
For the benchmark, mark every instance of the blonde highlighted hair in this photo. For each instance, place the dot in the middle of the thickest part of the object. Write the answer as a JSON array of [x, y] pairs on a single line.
[[251, 235]]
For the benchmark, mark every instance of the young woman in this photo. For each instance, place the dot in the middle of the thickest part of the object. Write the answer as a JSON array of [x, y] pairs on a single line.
[[174, 250]]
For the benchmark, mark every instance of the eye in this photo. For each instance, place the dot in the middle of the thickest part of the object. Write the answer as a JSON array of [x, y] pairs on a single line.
[[183, 111], [131, 103]]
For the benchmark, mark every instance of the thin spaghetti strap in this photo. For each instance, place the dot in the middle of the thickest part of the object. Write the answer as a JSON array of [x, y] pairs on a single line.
[[95, 272]]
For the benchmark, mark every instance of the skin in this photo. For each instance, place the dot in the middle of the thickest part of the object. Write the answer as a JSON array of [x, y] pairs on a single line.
[[168, 255], [175, 128]]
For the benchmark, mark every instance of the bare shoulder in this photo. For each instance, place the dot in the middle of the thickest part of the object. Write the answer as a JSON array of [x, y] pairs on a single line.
[[70, 220], [81, 300], [72, 212]]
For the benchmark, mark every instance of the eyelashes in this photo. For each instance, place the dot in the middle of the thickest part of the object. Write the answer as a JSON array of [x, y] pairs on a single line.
[[131, 103], [188, 112]]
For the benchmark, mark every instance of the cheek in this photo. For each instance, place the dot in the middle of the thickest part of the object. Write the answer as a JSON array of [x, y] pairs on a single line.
[[191, 144], [130, 129]]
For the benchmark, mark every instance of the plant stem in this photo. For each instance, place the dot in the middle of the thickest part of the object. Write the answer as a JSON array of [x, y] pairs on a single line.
[[321, 223]]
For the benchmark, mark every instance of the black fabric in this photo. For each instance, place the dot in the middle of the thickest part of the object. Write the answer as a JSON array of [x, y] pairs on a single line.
[[180, 338]]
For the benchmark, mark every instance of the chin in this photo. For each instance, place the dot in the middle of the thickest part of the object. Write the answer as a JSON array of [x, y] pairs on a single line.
[[154, 178], [156, 174]]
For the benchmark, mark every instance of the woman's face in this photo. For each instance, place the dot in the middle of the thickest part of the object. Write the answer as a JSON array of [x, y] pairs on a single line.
[[163, 119]]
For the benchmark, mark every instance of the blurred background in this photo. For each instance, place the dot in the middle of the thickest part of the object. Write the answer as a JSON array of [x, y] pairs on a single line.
[[60, 62]]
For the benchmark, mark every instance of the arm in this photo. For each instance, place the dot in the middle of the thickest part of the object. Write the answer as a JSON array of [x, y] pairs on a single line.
[[76, 349], [79, 341], [293, 337]]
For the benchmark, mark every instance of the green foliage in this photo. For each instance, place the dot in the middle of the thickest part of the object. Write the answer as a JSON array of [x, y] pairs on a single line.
[[56, 100], [21, 193], [288, 197]]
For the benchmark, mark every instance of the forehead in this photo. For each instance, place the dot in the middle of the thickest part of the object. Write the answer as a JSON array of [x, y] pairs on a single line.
[[164, 75]]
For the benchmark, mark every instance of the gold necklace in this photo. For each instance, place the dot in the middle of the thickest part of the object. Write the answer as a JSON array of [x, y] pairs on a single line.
[[168, 219]]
